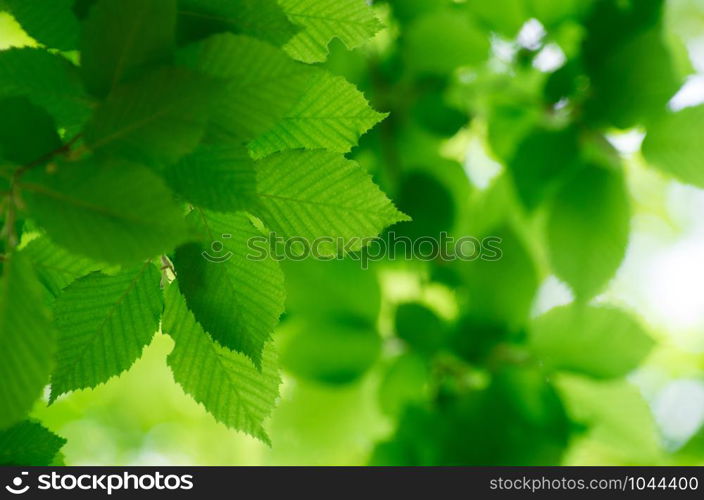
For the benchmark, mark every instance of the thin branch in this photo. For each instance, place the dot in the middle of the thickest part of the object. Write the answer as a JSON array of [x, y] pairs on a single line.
[[64, 149], [12, 201]]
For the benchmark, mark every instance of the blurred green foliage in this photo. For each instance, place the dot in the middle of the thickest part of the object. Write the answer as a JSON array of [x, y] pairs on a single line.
[[488, 379]]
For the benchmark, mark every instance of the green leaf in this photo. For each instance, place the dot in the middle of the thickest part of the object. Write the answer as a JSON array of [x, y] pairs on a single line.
[[502, 16], [509, 123], [319, 194], [27, 133], [263, 19], [56, 268], [502, 289], [541, 159], [331, 115], [407, 10], [429, 202], [551, 14], [673, 145], [612, 24], [342, 288], [404, 384], [59, 460], [51, 23], [261, 82], [420, 328], [476, 340], [236, 298], [220, 178], [111, 211], [104, 322], [437, 114], [517, 419], [352, 21], [632, 82], [156, 119], [122, 37], [588, 229], [618, 418], [601, 342], [442, 41], [27, 340], [83, 7], [224, 382], [334, 351], [29, 443], [48, 80]]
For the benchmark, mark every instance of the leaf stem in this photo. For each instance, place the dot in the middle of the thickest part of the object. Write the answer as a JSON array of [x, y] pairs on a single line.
[[166, 267]]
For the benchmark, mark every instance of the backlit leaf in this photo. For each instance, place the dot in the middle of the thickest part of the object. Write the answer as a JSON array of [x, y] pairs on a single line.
[[113, 211], [236, 297], [318, 194], [51, 23], [55, 266], [26, 338], [352, 21], [29, 443], [331, 115], [157, 119], [48, 80], [261, 82], [121, 37], [223, 381], [220, 178], [104, 322], [259, 18]]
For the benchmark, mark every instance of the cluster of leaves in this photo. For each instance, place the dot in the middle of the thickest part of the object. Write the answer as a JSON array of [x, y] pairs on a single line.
[[496, 384], [135, 136]]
